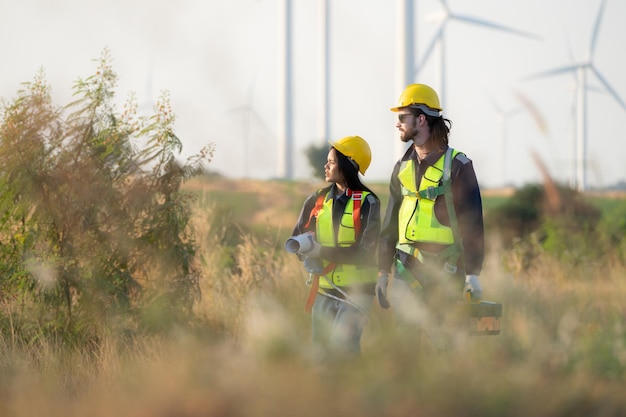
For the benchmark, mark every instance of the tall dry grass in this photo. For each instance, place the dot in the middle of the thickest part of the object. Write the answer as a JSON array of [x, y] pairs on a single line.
[[561, 351]]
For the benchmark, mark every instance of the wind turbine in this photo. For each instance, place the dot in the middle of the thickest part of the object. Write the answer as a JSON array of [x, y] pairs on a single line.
[[504, 115], [251, 122], [444, 17], [525, 105], [581, 70]]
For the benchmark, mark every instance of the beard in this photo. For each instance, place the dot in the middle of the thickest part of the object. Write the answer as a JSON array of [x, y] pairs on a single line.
[[407, 135]]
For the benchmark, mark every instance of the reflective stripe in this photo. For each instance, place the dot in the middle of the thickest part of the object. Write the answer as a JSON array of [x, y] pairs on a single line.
[[344, 275]]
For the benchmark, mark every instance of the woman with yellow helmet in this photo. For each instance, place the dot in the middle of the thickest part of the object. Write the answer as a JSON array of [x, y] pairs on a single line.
[[336, 236]]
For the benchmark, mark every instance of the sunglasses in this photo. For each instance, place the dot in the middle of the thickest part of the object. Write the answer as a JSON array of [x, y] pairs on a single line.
[[403, 116]]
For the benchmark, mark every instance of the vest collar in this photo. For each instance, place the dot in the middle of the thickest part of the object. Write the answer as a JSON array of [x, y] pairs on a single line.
[[433, 156]]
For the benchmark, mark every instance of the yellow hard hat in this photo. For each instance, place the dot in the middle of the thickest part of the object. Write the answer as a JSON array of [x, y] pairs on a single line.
[[355, 148], [422, 97]]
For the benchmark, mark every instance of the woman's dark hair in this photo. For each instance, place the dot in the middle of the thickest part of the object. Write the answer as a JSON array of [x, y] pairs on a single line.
[[350, 173], [439, 127]]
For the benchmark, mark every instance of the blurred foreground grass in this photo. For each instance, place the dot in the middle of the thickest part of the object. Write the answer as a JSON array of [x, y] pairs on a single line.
[[561, 351]]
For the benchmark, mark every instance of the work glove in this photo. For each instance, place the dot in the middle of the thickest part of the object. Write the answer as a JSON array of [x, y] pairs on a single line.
[[313, 265], [472, 288], [313, 251], [381, 289]]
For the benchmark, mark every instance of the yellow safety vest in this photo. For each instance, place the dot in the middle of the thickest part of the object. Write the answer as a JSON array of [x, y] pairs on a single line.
[[416, 219], [342, 274]]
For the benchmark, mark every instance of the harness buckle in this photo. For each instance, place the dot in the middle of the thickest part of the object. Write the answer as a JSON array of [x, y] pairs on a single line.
[[431, 193], [448, 267]]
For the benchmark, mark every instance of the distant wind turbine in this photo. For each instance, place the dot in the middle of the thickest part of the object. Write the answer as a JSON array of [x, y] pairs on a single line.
[[444, 17], [251, 122], [504, 115], [580, 70], [525, 104]]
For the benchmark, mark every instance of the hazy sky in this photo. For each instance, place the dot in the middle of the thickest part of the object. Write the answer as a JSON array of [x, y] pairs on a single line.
[[219, 59]]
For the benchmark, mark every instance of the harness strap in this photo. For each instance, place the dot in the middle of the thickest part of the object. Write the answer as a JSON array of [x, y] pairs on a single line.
[[315, 284], [319, 203], [432, 192], [457, 247], [411, 250], [407, 276], [357, 198]]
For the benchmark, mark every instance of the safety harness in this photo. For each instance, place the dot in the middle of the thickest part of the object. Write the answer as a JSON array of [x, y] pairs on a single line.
[[454, 251], [357, 198]]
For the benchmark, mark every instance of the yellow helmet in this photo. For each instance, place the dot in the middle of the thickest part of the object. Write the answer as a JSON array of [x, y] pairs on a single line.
[[422, 97], [355, 148]]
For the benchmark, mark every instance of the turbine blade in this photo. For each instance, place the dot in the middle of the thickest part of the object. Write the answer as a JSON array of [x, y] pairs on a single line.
[[495, 105], [570, 53], [492, 25], [431, 46], [608, 87], [596, 29], [555, 71]]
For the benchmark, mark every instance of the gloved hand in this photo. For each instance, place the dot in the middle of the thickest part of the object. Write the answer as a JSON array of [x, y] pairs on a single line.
[[314, 250], [313, 265], [472, 287], [381, 289]]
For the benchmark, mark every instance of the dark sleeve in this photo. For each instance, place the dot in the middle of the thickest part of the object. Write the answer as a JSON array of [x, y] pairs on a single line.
[[364, 252], [389, 229], [469, 211]]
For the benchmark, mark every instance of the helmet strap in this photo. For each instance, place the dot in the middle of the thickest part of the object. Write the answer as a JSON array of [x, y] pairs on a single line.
[[427, 110]]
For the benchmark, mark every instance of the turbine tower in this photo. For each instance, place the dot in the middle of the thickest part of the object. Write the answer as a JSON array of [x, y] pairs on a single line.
[[405, 54], [324, 99], [444, 17], [285, 98], [581, 70]]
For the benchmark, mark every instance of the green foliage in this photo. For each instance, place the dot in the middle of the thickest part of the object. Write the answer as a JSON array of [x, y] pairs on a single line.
[[519, 216], [558, 218], [316, 155], [94, 222]]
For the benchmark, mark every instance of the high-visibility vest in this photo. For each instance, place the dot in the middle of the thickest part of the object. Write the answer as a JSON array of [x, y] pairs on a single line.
[[416, 218], [347, 234]]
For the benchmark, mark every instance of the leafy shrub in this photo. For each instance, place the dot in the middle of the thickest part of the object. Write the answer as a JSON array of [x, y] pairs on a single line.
[[93, 219], [556, 217]]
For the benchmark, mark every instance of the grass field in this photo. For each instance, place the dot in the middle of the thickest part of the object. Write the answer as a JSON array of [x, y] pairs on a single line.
[[561, 351]]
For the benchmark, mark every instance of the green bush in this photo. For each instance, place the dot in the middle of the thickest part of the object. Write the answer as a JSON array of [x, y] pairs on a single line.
[[558, 218], [93, 219]]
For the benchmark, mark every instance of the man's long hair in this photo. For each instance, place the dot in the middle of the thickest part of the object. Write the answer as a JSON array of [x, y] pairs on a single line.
[[439, 127]]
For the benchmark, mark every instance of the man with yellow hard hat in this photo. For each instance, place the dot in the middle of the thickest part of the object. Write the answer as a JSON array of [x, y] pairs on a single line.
[[432, 236]]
